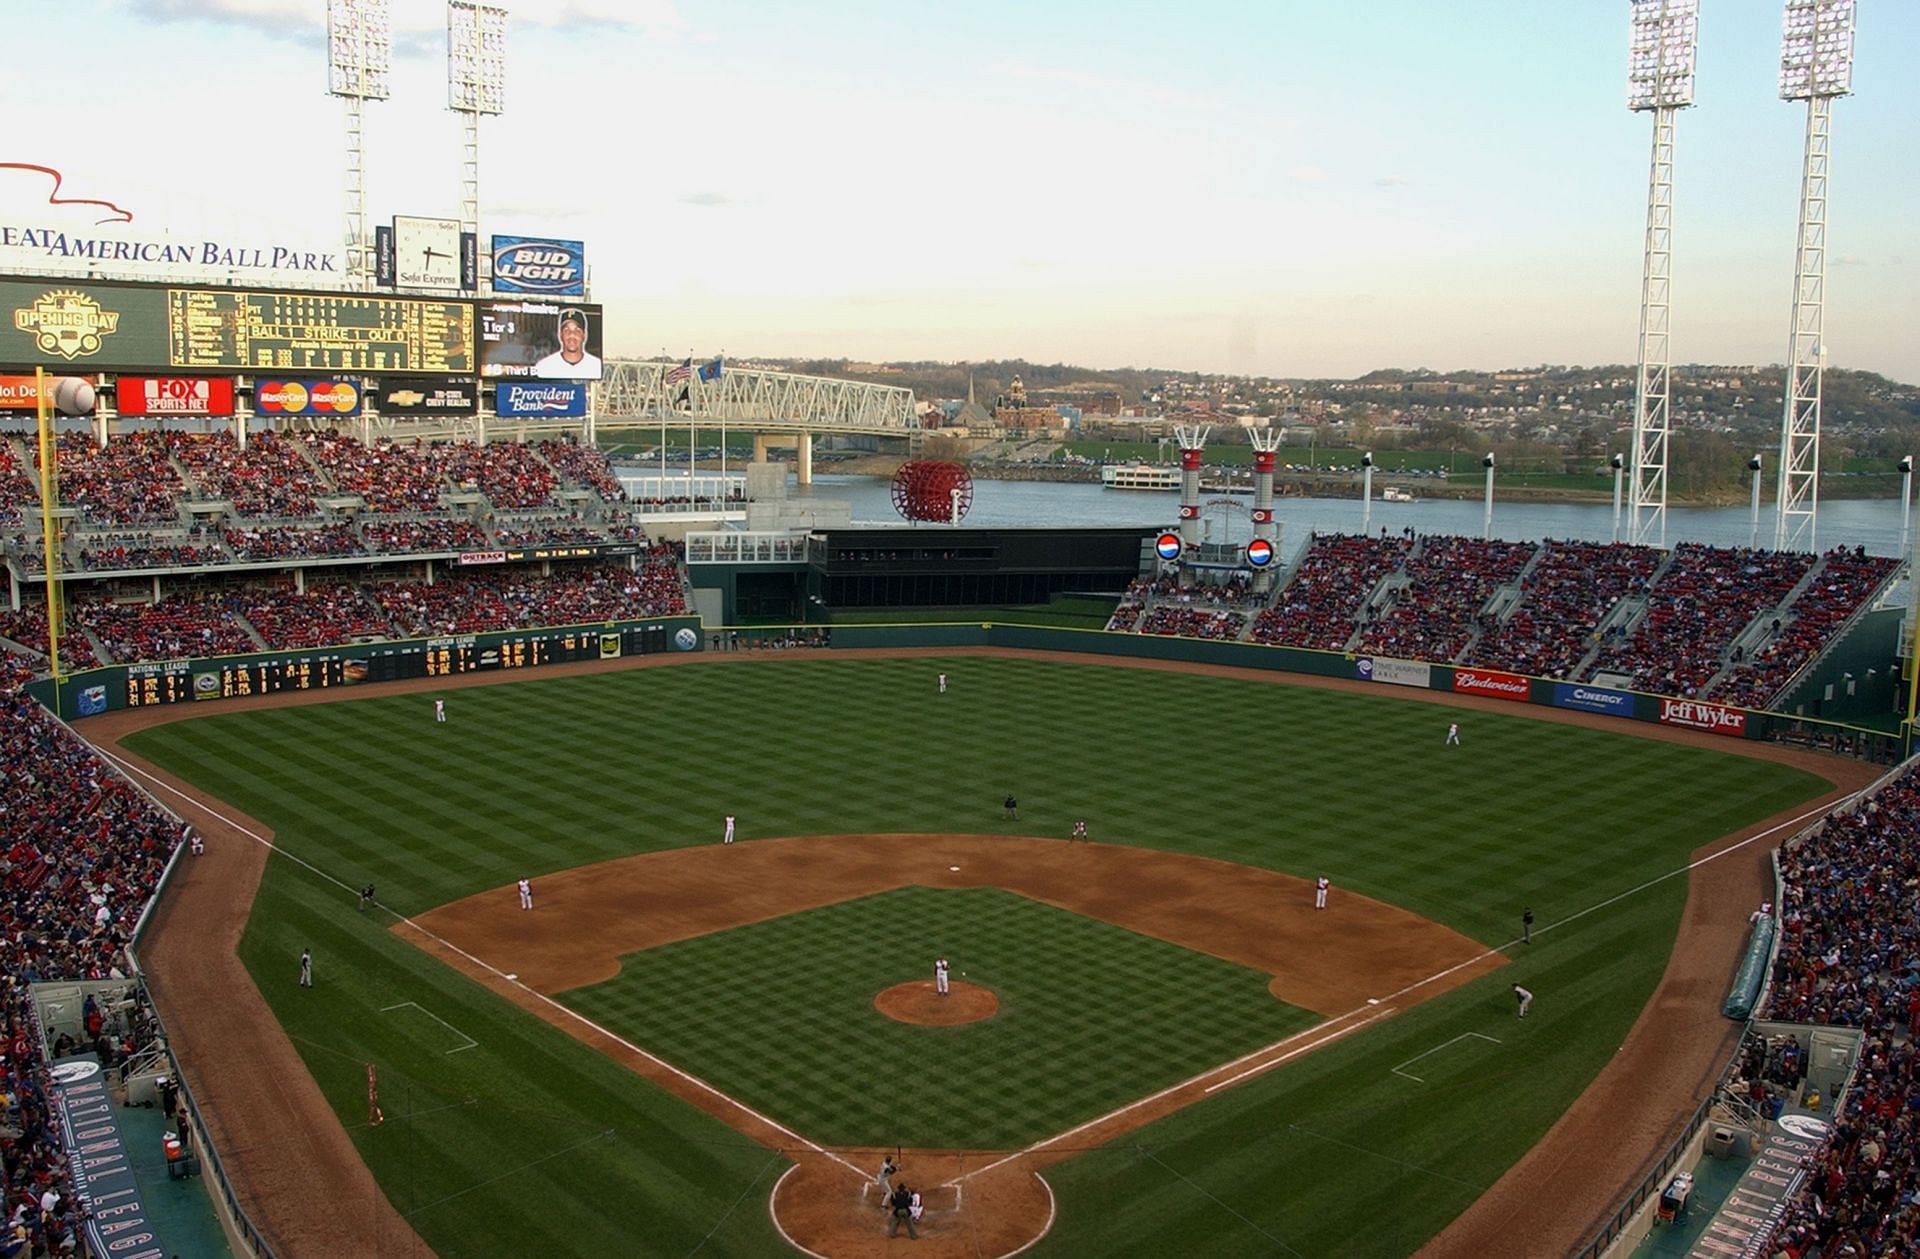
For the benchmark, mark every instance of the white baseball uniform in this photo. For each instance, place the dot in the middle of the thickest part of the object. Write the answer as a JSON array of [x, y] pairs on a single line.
[[943, 684], [526, 894], [728, 837], [1320, 892], [1453, 733], [439, 710], [940, 976]]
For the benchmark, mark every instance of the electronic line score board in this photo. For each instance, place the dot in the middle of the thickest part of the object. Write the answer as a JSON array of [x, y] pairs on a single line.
[[237, 330]]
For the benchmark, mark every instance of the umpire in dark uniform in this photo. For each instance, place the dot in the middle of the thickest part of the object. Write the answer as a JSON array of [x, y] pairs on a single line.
[[902, 1204]]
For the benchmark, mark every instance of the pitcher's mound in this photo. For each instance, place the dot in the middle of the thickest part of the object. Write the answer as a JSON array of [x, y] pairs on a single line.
[[919, 1003]]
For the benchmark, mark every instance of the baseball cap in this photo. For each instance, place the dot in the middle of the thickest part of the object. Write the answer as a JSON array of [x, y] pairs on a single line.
[[573, 315]]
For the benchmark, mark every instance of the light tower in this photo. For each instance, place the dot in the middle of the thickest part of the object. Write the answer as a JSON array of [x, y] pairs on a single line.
[[476, 85], [1660, 82], [359, 57], [1816, 65]]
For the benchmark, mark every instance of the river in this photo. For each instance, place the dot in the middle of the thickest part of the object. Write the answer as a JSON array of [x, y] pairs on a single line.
[[1873, 523]]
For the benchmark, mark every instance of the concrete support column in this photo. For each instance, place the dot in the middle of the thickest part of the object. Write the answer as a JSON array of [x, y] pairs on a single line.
[[805, 447], [760, 447]]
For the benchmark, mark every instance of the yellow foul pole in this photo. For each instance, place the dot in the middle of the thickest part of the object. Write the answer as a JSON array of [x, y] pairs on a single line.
[[49, 535]]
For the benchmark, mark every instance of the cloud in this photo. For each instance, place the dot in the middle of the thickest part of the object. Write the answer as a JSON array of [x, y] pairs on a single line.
[[1307, 174], [417, 26], [1391, 181], [1850, 260], [651, 17], [709, 200], [290, 20]]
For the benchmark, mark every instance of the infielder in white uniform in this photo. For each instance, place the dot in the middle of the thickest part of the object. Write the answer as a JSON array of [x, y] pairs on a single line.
[[439, 710], [728, 837], [1453, 734], [1525, 999], [526, 894], [1320, 887], [940, 975]]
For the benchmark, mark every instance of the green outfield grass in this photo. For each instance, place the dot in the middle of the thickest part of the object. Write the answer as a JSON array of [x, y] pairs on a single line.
[[766, 1012], [531, 1136]]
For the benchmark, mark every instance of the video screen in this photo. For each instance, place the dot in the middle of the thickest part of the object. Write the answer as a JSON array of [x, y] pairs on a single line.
[[539, 340]]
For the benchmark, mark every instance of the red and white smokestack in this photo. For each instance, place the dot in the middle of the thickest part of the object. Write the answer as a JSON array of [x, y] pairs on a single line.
[[1192, 439], [1265, 441]]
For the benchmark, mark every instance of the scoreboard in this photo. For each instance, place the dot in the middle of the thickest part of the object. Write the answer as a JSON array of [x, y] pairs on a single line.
[[215, 329], [116, 326], [186, 681]]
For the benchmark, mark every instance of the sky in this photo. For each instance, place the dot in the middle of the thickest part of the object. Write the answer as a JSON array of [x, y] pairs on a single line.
[[1265, 187]]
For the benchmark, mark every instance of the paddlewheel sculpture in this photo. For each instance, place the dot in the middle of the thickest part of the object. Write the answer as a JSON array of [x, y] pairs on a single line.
[[932, 489]]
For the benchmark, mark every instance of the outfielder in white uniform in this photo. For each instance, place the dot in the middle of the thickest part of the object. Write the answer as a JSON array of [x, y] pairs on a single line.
[[439, 710], [1320, 887], [1080, 829], [728, 837], [943, 684], [526, 894], [940, 976], [1453, 734]]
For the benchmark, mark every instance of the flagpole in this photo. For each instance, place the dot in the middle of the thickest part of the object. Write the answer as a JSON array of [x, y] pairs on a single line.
[[687, 385], [724, 495], [49, 494]]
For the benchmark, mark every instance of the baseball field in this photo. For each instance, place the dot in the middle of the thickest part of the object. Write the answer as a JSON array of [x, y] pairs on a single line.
[[573, 1079]]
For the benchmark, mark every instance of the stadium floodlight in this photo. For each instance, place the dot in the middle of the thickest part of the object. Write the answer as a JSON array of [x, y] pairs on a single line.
[[476, 85], [1660, 70], [359, 66], [1816, 53], [1660, 66], [476, 57], [1816, 66]]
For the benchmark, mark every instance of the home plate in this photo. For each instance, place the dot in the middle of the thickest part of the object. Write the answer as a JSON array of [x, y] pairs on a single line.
[[1370, 1000], [954, 868]]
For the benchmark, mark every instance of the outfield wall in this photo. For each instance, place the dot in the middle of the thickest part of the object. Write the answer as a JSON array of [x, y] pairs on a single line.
[[176, 681]]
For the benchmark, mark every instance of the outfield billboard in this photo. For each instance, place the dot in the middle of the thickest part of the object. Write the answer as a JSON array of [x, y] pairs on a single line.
[[1394, 672], [1696, 714], [307, 397], [415, 395], [1593, 699], [540, 399], [173, 395], [1493, 684]]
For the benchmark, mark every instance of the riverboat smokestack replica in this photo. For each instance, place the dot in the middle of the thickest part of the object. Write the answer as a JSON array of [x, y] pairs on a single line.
[[1192, 439], [1265, 441]]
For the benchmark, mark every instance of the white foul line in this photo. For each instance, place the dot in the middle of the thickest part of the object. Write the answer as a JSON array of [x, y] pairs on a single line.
[[1436, 1049], [471, 1042]]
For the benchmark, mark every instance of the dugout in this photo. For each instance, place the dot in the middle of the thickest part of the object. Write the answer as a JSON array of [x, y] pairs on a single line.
[[944, 567]]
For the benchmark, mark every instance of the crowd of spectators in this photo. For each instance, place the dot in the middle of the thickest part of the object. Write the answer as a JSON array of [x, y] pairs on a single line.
[[390, 476], [1696, 606], [585, 466], [1849, 954], [175, 627], [253, 543], [269, 480], [1178, 620], [18, 498], [1566, 595], [1320, 607], [129, 481], [510, 474], [400, 537], [28, 627], [323, 616], [1449, 581], [188, 548], [83, 853], [1841, 586]]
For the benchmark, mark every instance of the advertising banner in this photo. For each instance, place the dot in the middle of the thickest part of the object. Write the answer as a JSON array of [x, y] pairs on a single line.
[[415, 395], [307, 397], [383, 264], [1492, 683], [1698, 715], [26, 246], [537, 264], [551, 398], [85, 1111], [539, 340], [21, 393], [1395, 672], [482, 557], [136, 327], [173, 395], [1592, 699]]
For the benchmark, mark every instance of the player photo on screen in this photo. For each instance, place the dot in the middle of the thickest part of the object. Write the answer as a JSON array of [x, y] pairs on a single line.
[[540, 340]]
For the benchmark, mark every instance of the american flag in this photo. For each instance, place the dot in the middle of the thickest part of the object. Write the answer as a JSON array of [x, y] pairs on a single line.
[[677, 374]]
